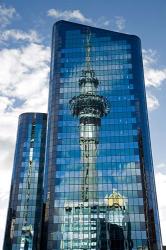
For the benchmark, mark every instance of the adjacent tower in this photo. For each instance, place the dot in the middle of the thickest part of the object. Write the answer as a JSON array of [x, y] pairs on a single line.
[[99, 189], [23, 228]]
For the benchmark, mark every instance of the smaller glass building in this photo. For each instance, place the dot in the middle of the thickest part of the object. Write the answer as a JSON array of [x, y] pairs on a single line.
[[23, 228]]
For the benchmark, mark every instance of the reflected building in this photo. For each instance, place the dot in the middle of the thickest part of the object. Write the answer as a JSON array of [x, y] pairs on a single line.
[[23, 228], [104, 225], [118, 229], [99, 190]]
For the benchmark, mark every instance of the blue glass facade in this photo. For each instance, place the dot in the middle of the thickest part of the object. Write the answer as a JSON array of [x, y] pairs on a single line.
[[99, 188], [23, 228]]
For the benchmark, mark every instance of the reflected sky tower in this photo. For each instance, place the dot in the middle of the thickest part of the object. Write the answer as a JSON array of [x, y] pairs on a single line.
[[89, 107]]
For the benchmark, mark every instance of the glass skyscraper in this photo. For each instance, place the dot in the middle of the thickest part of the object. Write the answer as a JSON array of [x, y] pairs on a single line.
[[99, 186], [24, 220], [99, 190]]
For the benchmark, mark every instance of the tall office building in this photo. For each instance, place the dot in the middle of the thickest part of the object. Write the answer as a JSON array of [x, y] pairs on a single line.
[[99, 190], [23, 228]]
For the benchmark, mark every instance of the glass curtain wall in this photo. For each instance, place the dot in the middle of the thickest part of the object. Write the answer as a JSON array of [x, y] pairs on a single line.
[[100, 191], [23, 228]]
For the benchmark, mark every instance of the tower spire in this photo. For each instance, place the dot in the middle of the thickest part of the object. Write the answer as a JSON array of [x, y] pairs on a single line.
[[88, 50]]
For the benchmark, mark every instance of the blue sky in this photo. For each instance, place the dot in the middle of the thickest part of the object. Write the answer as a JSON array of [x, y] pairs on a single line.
[[25, 38]]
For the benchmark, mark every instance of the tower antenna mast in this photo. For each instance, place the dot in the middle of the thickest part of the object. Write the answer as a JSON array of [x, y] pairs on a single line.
[[88, 49]]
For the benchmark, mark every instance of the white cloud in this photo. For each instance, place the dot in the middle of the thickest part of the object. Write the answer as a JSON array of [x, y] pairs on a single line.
[[152, 102], [106, 23], [149, 56], [154, 75], [161, 187], [13, 34], [69, 15], [160, 168], [77, 15], [5, 102], [24, 70], [6, 15], [120, 23], [117, 23], [101, 22]]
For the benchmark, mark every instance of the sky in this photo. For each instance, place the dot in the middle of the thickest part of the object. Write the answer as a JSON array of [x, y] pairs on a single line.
[[25, 40]]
